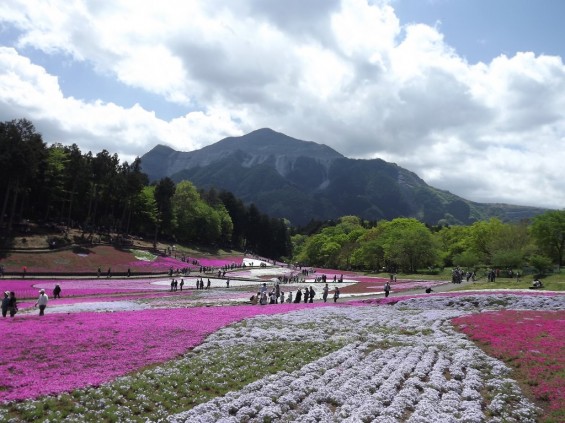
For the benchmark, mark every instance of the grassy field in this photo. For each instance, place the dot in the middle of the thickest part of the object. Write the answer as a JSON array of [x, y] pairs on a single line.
[[552, 282]]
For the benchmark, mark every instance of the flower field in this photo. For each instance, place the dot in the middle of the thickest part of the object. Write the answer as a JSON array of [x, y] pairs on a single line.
[[531, 342], [134, 337], [402, 362], [131, 350]]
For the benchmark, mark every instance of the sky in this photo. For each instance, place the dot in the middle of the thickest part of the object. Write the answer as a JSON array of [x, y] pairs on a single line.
[[468, 94]]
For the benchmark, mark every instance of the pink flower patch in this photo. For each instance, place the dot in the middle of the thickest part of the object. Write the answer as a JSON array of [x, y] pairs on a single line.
[[80, 349], [532, 342]]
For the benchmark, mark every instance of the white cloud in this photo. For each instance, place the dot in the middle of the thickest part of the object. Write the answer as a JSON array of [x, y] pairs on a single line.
[[27, 90], [344, 73]]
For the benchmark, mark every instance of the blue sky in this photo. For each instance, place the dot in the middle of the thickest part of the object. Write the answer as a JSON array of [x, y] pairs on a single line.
[[481, 30], [469, 94]]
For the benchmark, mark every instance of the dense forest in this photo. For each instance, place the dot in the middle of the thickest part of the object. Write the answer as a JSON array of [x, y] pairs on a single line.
[[60, 185], [408, 245]]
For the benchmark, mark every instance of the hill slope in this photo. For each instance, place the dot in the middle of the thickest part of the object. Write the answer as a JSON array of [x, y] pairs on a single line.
[[301, 180]]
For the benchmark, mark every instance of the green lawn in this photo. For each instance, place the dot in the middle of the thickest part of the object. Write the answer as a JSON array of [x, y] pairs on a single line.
[[553, 282]]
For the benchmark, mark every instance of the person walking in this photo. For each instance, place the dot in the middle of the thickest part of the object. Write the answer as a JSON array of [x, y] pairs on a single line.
[[42, 302], [387, 289], [13, 304], [57, 291], [5, 303], [336, 294], [325, 293], [311, 294]]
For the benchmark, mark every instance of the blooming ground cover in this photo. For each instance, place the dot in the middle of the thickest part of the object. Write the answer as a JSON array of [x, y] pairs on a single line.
[[134, 337], [384, 359], [400, 362], [250, 277], [88, 260], [65, 260], [533, 343], [27, 288]]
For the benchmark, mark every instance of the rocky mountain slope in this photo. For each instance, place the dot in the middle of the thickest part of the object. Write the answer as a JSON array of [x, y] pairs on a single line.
[[302, 180]]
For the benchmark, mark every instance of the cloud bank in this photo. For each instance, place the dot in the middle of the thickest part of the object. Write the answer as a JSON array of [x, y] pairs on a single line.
[[344, 73]]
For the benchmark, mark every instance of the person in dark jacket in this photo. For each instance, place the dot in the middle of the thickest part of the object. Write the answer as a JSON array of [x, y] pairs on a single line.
[[298, 296], [13, 304], [311, 294], [336, 294], [5, 303], [57, 291]]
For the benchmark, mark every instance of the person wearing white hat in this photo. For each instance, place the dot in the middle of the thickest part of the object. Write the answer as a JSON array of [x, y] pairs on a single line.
[[42, 302]]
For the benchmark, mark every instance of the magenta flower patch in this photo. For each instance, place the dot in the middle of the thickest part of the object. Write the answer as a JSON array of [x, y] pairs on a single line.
[[532, 342], [79, 349]]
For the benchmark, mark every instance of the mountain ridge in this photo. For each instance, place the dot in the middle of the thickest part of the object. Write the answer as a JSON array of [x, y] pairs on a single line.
[[303, 180]]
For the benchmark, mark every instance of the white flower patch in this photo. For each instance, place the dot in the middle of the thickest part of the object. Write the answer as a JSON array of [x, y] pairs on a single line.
[[475, 302], [396, 365], [100, 306]]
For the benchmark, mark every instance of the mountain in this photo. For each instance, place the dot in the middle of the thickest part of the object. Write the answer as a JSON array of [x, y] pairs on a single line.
[[302, 180]]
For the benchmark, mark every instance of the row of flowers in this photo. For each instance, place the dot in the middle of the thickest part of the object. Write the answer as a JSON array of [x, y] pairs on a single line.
[[399, 364]]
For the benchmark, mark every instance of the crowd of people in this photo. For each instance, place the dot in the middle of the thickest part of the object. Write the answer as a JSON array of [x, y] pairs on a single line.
[[276, 296], [175, 284], [10, 302]]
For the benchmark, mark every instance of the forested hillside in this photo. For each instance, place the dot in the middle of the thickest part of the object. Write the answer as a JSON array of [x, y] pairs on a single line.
[[62, 186]]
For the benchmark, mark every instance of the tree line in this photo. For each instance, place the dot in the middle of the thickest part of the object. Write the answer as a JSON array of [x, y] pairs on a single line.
[[59, 184], [408, 245]]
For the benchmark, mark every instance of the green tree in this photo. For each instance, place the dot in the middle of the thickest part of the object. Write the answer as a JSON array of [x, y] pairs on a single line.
[[238, 215], [21, 153], [508, 259], [311, 253], [226, 223], [548, 230], [164, 191], [78, 180], [466, 259], [540, 263], [52, 190], [453, 241], [408, 244], [368, 255], [147, 215], [483, 238]]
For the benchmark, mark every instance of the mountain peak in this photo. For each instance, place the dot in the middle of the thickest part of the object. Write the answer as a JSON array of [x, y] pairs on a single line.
[[301, 180], [267, 141], [260, 146]]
